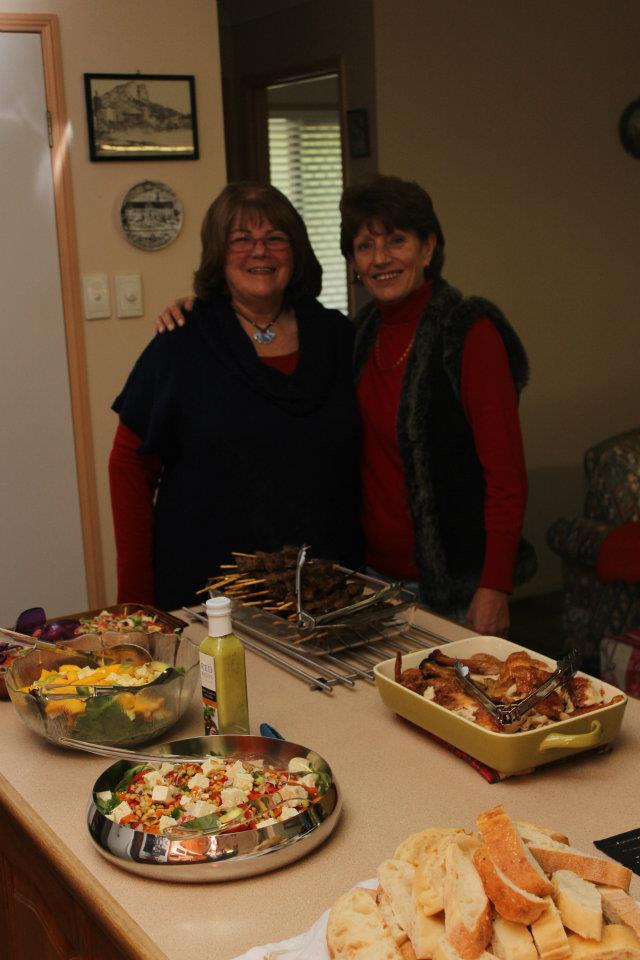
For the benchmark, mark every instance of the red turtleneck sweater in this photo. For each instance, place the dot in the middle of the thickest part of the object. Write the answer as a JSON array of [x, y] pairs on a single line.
[[490, 404]]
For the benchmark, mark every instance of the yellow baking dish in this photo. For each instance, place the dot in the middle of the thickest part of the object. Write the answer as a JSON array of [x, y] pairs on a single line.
[[508, 752]]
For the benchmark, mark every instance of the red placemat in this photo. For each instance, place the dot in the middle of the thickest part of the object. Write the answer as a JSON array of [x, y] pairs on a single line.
[[489, 773]]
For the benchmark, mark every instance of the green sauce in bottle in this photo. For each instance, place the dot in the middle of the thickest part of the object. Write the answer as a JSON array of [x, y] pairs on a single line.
[[222, 673]]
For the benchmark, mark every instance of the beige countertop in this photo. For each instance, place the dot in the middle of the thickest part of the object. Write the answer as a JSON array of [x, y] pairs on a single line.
[[394, 781]]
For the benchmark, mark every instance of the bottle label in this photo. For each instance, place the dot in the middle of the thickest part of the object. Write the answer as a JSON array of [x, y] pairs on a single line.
[[209, 695]]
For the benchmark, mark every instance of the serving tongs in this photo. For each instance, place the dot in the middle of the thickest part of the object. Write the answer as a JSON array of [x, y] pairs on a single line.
[[510, 715], [335, 618]]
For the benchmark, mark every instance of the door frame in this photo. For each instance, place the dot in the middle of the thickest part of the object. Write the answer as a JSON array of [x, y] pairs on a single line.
[[46, 25]]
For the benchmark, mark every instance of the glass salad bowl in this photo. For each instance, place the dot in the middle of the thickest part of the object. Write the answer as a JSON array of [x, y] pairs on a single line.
[[80, 691]]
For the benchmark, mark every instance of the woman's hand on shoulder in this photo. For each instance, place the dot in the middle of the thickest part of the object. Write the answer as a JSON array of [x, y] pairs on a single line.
[[173, 315], [488, 612]]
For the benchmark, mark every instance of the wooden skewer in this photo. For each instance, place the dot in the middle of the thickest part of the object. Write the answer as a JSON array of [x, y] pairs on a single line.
[[228, 566], [239, 553]]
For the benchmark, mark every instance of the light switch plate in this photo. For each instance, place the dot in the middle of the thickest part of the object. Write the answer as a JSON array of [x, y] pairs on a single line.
[[95, 292], [129, 295]]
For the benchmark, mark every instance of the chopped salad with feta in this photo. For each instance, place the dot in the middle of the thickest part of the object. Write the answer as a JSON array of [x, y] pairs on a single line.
[[246, 794]]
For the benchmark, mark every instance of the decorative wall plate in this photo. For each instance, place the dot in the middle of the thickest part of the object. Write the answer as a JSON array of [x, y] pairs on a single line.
[[151, 215], [629, 128]]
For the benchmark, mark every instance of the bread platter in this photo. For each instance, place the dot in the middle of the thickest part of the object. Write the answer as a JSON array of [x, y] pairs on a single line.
[[230, 855], [508, 752]]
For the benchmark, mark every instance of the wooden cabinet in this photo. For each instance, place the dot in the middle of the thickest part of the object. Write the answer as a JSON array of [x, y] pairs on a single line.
[[48, 914]]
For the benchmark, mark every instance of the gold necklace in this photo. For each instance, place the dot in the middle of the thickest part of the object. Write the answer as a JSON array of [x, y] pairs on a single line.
[[403, 356], [263, 334]]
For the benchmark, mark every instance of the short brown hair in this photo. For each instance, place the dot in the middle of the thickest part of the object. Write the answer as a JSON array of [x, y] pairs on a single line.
[[398, 205], [254, 199]]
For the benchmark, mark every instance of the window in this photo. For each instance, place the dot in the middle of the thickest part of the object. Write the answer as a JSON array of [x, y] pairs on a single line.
[[305, 160]]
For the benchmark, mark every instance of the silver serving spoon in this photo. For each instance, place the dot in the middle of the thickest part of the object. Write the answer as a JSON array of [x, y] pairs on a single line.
[[118, 653]]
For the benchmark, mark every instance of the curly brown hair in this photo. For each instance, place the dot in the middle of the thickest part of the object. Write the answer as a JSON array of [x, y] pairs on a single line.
[[398, 205], [263, 202]]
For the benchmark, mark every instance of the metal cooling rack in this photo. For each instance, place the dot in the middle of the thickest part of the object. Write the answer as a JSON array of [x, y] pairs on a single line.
[[326, 659]]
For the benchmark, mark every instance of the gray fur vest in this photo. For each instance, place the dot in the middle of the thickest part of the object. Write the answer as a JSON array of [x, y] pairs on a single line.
[[444, 478]]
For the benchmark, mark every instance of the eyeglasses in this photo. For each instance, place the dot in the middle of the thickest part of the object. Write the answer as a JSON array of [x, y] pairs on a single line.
[[245, 243], [33, 622]]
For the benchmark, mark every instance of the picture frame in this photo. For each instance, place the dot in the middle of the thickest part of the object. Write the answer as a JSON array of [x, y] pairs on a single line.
[[358, 133], [141, 116]]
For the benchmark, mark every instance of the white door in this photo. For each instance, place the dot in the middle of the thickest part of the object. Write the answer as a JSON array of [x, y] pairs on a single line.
[[41, 550]]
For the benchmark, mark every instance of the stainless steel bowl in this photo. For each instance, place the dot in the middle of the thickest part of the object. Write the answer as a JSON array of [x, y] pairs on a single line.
[[228, 856]]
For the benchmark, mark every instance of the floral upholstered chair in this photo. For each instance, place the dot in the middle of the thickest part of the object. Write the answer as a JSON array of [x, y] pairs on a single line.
[[600, 550]]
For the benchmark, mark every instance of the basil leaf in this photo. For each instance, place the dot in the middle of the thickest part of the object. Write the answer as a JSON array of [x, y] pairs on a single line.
[[210, 822]]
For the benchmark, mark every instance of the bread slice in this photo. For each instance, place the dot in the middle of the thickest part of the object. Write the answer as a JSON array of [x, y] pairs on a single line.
[[425, 933], [619, 907], [579, 904], [553, 856], [511, 902], [355, 929], [419, 845], [531, 831], [445, 951], [399, 935], [396, 881], [428, 884], [508, 852], [618, 943], [549, 934], [467, 913], [512, 941]]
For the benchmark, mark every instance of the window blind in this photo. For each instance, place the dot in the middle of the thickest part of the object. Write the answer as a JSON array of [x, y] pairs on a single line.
[[305, 159]]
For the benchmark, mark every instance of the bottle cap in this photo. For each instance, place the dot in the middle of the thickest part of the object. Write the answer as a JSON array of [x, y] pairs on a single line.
[[218, 606]]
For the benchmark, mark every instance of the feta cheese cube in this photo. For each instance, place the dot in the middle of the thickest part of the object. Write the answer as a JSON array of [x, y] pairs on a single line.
[[242, 780], [287, 813], [231, 797], [162, 792], [104, 795], [211, 764], [309, 780], [290, 791], [198, 780], [122, 810], [152, 778], [186, 801], [165, 823], [166, 768], [202, 808]]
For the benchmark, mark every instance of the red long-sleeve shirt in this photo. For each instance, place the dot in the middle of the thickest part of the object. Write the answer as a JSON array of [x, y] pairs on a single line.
[[490, 404]]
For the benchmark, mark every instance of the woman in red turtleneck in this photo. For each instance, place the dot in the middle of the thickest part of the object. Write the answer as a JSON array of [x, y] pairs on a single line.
[[443, 472]]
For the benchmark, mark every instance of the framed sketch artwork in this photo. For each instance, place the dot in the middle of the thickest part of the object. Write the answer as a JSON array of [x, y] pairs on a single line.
[[138, 116]]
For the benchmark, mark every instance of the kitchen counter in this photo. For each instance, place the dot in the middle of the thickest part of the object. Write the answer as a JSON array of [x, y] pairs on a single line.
[[394, 781]]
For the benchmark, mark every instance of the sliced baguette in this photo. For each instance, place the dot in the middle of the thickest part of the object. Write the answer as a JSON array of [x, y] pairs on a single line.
[[549, 934], [511, 902], [509, 853], [467, 912], [425, 933], [512, 941], [399, 935], [396, 881], [553, 856], [618, 943], [428, 884], [579, 903], [446, 951], [532, 831], [619, 907], [356, 931], [417, 846]]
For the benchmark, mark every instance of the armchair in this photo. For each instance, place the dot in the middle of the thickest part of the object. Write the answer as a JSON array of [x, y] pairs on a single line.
[[595, 605]]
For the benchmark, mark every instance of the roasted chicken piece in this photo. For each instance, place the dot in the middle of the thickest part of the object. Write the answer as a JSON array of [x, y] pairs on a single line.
[[480, 663]]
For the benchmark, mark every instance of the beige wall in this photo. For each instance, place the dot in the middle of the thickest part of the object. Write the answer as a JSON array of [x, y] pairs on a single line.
[[152, 36], [508, 111]]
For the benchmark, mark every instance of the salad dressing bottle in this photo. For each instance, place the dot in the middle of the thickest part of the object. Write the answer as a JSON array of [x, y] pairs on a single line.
[[222, 673]]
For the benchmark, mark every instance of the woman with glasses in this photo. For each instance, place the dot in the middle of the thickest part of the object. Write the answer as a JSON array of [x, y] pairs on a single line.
[[241, 432]]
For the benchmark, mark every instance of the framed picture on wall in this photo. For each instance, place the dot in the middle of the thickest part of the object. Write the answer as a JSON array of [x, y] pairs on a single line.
[[358, 132], [138, 116]]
